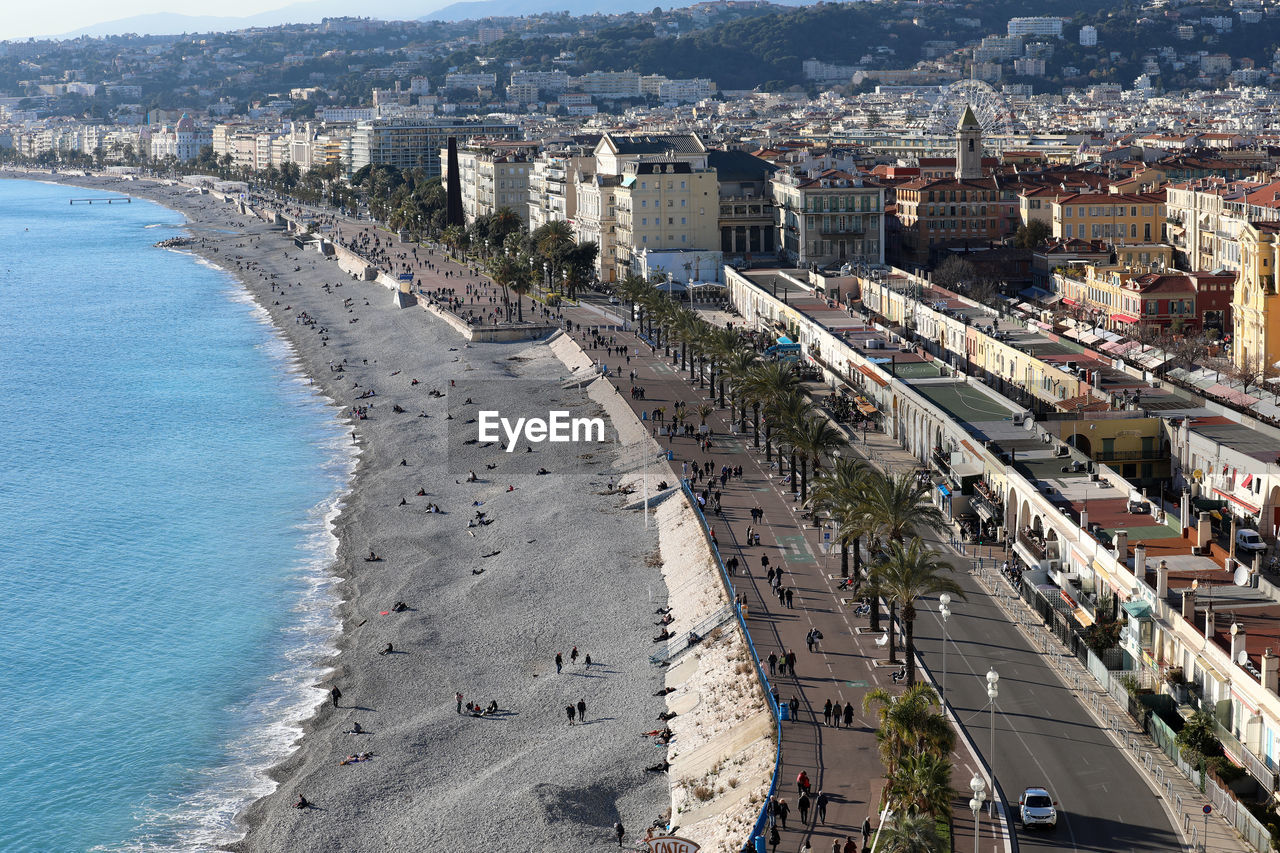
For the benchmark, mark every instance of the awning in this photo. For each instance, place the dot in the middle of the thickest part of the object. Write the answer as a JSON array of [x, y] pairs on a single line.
[[984, 510], [866, 408], [1070, 302], [1236, 500], [1248, 479], [870, 374], [946, 493], [1124, 318], [1137, 609]]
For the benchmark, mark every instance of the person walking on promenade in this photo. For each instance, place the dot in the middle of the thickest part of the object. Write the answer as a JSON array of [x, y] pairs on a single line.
[[851, 846], [835, 845], [808, 640], [791, 663], [803, 803], [866, 831], [795, 708], [802, 781], [458, 696], [773, 663], [775, 839], [821, 804], [619, 831], [791, 594], [826, 713], [582, 710], [573, 655], [559, 663], [848, 715], [570, 711], [783, 811]]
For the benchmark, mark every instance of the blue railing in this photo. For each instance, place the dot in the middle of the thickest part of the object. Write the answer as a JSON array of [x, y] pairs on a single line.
[[758, 829]]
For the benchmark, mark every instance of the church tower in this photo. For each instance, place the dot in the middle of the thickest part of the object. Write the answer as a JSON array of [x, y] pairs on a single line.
[[968, 147]]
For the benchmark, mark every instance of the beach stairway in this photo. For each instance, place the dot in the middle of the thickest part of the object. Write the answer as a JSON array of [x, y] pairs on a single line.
[[680, 643]]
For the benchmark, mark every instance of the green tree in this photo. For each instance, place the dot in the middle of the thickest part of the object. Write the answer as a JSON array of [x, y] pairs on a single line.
[[905, 574]]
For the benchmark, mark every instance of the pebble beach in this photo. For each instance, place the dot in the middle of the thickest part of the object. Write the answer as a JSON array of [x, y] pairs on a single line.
[[555, 562]]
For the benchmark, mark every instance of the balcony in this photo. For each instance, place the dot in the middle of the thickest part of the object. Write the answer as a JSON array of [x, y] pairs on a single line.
[[1129, 455], [941, 460]]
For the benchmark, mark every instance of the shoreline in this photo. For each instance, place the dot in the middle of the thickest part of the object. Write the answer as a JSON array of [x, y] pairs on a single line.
[[629, 795]]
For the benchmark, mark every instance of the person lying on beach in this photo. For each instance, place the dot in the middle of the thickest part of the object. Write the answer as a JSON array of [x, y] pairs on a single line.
[[355, 729], [666, 715], [666, 620], [422, 493], [372, 558], [471, 477], [399, 607], [542, 471], [353, 759], [493, 707], [387, 650], [301, 803], [664, 691], [665, 635], [660, 767]]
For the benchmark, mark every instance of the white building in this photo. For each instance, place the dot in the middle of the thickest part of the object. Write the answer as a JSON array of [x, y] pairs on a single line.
[[1089, 35], [1035, 27]]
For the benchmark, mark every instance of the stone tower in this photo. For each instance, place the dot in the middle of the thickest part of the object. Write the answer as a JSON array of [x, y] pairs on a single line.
[[968, 147]]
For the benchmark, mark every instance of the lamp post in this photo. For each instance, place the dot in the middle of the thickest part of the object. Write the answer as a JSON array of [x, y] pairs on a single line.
[[944, 613], [993, 678], [979, 788]]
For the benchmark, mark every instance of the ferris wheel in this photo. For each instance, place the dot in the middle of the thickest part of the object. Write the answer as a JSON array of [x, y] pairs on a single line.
[[989, 106]]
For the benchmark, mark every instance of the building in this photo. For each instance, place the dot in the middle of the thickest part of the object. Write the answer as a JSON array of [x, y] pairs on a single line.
[[1035, 27], [746, 219], [964, 210], [183, 141], [1088, 36], [1113, 217], [829, 217], [552, 189], [416, 143], [494, 176], [1255, 311]]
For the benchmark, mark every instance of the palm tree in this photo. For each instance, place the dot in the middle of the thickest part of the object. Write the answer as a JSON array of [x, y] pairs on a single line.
[[908, 724], [722, 344], [738, 365], [838, 495], [766, 383], [814, 439], [909, 833], [894, 505], [921, 784], [904, 574], [704, 411], [783, 414]]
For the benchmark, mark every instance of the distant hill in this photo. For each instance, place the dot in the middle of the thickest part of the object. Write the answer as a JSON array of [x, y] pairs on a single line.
[[477, 9], [309, 11]]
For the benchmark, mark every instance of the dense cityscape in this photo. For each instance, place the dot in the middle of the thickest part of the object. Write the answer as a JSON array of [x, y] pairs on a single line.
[[938, 339]]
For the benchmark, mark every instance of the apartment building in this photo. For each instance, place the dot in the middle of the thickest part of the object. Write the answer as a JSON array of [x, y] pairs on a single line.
[[553, 193], [829, 217], [1112, 217], [417, 143], [494, 175]]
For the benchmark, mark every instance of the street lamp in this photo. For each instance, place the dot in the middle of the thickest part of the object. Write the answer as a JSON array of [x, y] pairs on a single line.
[[993, 678], [979, 788], [944, 613]]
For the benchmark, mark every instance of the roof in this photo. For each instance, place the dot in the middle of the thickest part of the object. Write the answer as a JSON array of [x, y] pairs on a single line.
[[739, 166], [673, 143], [968, 119]]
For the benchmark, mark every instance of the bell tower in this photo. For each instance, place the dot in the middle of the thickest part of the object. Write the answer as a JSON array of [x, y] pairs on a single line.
[[968, 147]]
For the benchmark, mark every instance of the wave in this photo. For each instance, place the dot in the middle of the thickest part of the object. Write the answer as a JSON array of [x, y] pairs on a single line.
[[270, 720]]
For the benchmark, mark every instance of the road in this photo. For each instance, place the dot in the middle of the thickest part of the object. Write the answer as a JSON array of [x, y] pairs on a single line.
[[1044, 736]]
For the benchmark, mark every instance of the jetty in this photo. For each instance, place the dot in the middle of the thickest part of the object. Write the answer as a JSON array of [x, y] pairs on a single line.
[[114, 199]]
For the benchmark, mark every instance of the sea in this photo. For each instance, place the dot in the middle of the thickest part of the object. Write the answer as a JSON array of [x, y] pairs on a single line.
[[168, 483]]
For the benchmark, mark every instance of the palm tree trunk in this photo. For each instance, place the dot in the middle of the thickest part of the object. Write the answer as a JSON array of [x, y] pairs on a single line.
[[857, 563], [873, 592], [768, 445], [520, 307], [844, 558], [755, 423], [893, 654], [794, 485], [804, 478], [908, 635], [722, 396]]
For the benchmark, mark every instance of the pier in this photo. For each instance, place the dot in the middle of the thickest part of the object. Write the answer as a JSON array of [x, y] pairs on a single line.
[[121, 199]]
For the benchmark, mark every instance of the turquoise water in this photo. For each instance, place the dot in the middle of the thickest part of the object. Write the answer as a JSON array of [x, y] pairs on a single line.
[[167, 480]]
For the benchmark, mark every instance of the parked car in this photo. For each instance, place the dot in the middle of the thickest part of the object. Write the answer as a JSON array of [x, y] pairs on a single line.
[[1249, 540], [1037, 808], [613, 300]]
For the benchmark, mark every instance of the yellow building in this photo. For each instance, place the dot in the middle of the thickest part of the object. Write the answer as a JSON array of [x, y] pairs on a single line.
[[665, 205], [1114, 217], [1255, 308]]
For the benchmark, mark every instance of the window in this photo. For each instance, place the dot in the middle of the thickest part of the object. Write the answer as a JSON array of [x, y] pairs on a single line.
[[683, 238], [682, 185], [1151, 307], [643, 185], [1070, 231], [644, 238], [971, 144], [671, 220], [682, 202], [644, 220], [644, 202], [682, 221]]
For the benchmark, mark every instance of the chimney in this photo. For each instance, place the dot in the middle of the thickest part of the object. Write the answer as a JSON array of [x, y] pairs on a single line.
[[1210, 622], [1238, 637], [1203, 531], [1122, 546], [1189, 605], [1270, 671], [1139, 560], [1184, 513], [1162, 580]]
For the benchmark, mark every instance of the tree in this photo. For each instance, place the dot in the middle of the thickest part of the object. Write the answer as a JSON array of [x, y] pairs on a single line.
[[908, 724], [767, 382], [921, 784], [1032, 235], [953, 272], [909, 833], [894, 504], [814, 439], [838, 495], [906, 574]]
